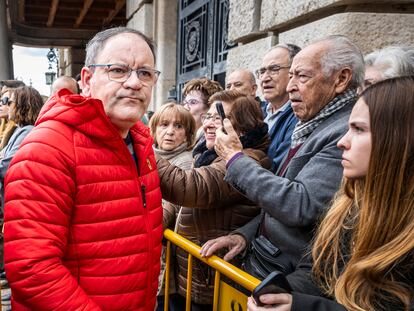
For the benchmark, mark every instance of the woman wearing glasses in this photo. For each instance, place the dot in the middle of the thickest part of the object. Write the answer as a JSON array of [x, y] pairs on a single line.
[[212, 207], [196, 95], [7, 127], [24, 106], [363, 254]]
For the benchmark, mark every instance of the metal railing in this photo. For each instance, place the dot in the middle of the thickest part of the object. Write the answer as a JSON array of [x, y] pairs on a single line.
[[222, 267]]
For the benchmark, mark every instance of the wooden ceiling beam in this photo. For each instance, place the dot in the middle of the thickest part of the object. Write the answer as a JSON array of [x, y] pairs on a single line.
[[21, 5], [86, 5], [52, 13], [118, 7]]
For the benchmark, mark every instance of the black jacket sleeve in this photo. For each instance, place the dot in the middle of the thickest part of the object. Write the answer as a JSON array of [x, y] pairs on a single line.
[[314, 303], [306, 294]]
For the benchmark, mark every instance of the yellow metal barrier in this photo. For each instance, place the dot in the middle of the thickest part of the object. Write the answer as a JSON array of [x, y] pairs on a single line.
[[222, 267]]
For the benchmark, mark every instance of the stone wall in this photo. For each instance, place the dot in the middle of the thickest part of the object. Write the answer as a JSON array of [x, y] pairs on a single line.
[[371, 24], [158, 20], [257, 25]]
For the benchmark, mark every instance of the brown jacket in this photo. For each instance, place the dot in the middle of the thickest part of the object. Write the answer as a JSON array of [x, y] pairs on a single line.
[[214, 208]]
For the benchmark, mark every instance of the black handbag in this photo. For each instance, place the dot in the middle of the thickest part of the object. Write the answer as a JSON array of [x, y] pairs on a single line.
[[263, 258]]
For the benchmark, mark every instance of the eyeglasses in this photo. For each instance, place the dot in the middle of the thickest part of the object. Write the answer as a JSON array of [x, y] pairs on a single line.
[[5, 101], [208, 116], [273, 70], [121, 73], [191, 102]]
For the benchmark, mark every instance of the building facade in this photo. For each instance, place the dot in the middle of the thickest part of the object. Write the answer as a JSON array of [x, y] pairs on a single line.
[[241, 31]]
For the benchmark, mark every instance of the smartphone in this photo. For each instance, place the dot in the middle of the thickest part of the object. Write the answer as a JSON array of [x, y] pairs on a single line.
[[274, 283], [220, 111]]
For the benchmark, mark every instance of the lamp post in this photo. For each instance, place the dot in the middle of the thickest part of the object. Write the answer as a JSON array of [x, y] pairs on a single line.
[[50, 75]]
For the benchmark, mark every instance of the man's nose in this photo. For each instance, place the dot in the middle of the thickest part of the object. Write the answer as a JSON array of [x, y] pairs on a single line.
[[265, 76], [133, 81], [291, 86]]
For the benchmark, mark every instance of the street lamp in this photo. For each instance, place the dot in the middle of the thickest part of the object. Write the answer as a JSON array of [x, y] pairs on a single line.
[[50, 74]]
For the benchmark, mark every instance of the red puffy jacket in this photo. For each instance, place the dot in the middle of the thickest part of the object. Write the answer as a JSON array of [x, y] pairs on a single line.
[[83, 225]]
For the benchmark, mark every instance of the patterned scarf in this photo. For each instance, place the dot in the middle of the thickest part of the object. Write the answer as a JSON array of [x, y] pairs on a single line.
[[304, 129]]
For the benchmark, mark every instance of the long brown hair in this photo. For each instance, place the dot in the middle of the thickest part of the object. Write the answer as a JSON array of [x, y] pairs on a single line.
[[28, 103], [369, 230]]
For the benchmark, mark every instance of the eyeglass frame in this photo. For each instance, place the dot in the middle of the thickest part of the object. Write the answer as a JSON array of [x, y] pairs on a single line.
[[216, 117], [130, 70], [191, 102], [270, 69]]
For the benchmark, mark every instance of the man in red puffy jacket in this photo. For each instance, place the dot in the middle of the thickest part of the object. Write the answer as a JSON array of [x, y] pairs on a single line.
[[83, 217]]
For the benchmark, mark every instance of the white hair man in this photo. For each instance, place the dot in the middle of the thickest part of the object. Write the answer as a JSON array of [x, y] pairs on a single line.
[[389, 62]]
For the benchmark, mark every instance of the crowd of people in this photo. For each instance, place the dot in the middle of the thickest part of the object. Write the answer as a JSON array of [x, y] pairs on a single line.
[[312, 178]]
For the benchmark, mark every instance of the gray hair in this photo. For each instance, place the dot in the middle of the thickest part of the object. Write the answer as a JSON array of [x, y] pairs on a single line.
[[392, 61], [96, 44], [342, 53], [291, 48]]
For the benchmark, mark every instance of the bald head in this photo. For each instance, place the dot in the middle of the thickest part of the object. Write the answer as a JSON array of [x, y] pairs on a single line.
[[242, 80], [64, 82]]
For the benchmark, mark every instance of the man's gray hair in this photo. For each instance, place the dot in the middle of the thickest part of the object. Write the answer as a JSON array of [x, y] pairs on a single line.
[[96, 44], [251, 76], [291, 48], [342, 53], [392, 61]]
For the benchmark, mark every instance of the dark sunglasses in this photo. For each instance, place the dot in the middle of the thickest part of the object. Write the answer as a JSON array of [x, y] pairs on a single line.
[[5, 101]]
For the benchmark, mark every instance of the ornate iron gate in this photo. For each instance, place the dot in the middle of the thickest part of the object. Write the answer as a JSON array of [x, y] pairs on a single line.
[[202, 40]]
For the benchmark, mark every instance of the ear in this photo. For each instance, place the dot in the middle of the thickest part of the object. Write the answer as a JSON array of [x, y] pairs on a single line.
[[86, 76], [342, 80], [255, 88]]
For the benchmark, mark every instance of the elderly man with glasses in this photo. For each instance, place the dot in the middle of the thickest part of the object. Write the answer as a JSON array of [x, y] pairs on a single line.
[[273, 76], [83, 220]]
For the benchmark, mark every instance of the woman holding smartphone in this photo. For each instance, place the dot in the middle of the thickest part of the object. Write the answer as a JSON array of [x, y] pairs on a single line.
[[211, 207], [363, 254]]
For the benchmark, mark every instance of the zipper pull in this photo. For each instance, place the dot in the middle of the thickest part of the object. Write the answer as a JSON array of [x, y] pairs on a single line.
[[149, 164], [144, 198]]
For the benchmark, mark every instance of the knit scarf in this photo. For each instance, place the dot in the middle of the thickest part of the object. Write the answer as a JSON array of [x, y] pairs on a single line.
[[251, 139], [170, 154], [304, 129]]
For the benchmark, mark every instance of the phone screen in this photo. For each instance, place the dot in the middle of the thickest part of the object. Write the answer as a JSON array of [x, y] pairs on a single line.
[[220, 111]]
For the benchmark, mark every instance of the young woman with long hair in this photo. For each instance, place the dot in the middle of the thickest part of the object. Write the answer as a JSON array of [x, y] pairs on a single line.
[[363, 254]]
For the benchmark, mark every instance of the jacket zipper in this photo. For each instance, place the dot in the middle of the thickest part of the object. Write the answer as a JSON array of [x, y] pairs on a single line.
[[144, 198], [144, 203]]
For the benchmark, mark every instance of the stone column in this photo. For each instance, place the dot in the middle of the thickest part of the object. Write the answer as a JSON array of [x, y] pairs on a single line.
[[165, 35], [6, 56]]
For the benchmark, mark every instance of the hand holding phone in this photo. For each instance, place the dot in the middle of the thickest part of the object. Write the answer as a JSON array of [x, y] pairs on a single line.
[[274, 283]]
